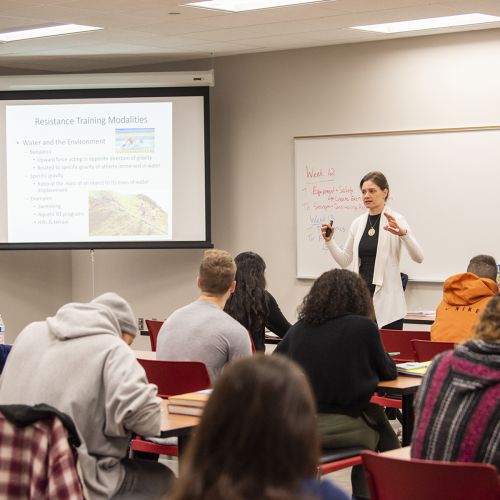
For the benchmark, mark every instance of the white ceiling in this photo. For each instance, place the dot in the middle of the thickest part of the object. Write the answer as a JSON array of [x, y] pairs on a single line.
[[138, 32]]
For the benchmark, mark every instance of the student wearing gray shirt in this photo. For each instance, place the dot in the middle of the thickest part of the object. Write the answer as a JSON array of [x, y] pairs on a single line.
[[202, 331]]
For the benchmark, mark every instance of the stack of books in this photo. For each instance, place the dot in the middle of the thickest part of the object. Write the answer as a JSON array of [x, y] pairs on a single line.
[[413, 369], [191, 403]]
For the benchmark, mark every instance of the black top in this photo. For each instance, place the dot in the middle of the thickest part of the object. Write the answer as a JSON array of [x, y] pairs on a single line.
[[276, 322], [344, 360], [367, 250]]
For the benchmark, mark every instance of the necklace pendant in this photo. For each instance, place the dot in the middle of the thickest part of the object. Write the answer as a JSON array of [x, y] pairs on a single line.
[[371, 231]]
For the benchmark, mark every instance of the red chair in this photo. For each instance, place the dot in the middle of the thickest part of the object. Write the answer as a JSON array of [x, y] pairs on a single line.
[[386, 402], [176, 377], [394, 478], [171, 377], [153, 327], [400, 341], [425, 350], [332, 461]]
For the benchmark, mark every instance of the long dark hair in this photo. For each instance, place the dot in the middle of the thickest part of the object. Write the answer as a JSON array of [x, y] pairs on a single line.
[[336, 293], [248, 303], [257, 438]]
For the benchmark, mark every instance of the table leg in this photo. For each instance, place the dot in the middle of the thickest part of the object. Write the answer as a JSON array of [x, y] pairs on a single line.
[[182, 442], [408, 418]]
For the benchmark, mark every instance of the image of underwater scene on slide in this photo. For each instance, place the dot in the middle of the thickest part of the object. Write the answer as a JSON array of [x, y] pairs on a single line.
[[120, 214], [135, 140]]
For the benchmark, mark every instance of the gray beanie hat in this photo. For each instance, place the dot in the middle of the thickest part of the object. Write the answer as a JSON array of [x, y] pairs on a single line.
[[121, 310]]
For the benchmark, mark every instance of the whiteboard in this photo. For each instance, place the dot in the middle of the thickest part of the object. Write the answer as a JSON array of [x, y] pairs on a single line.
[[445, 182]]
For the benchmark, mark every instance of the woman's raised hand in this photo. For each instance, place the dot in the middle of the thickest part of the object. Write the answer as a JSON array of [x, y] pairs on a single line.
[[393, 227]]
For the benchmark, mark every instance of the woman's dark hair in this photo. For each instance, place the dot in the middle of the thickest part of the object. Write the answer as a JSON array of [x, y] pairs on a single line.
[[248, 304], [336, 293], [377, 178], [257, 438]]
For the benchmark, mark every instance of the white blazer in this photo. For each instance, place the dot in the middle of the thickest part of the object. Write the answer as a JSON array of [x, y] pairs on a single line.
[[388, 299]]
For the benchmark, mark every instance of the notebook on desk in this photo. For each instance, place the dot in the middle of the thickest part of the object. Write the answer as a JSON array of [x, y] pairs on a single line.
[[413, 369]]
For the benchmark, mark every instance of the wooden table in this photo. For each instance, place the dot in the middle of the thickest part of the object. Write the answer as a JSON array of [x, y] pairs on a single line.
[[179, 426], [417, 319], [406, 387], [271, 338]]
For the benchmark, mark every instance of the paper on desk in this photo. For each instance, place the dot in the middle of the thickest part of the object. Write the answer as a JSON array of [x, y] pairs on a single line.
[[421, 313], [412, 368]]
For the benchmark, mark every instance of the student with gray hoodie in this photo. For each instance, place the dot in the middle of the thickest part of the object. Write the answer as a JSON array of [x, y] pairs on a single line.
[[79, 362]]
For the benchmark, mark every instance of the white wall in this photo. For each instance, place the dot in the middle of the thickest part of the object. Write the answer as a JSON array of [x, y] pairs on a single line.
[[260, 102]]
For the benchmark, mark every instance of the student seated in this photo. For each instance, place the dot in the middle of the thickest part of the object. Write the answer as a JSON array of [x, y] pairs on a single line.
[[464, 297], [202, 331], [337, 343], [251, 304], [78, 361], [457, 409], [257, 438]]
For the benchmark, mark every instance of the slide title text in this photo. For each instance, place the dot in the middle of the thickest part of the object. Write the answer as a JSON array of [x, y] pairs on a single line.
[[99, 120]]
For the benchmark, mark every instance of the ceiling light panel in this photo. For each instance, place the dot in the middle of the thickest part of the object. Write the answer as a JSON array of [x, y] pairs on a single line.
[[245, 5], [430, 23], [43, 31]]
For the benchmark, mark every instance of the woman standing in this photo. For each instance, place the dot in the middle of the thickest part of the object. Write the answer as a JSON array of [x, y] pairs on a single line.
[[338, 345], [376, 253], [251, 304]]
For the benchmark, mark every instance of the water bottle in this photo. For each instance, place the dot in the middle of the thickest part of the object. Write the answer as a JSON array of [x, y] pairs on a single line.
[[2, 331]]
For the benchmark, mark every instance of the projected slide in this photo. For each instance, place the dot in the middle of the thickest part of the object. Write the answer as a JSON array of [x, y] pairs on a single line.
[[89, 172]]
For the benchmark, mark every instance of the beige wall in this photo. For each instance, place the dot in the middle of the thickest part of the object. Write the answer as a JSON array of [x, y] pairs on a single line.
[[260, 102], [33, 285]]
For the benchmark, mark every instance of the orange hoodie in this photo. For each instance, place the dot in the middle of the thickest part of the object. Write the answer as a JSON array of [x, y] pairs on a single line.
[[464, 297]]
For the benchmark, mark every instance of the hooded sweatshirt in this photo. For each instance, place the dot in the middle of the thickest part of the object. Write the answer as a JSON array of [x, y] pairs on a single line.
[[77, 362], [464, 297], [457, 410]]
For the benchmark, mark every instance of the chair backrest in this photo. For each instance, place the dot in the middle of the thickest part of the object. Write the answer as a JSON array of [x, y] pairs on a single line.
[[393, 478], [176, 377], [400, 341], [153, 327], [425, 350]]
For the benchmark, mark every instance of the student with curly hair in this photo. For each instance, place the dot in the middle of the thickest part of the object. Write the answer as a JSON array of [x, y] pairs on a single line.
[[338, 345], [257, 439], [251, 304]]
